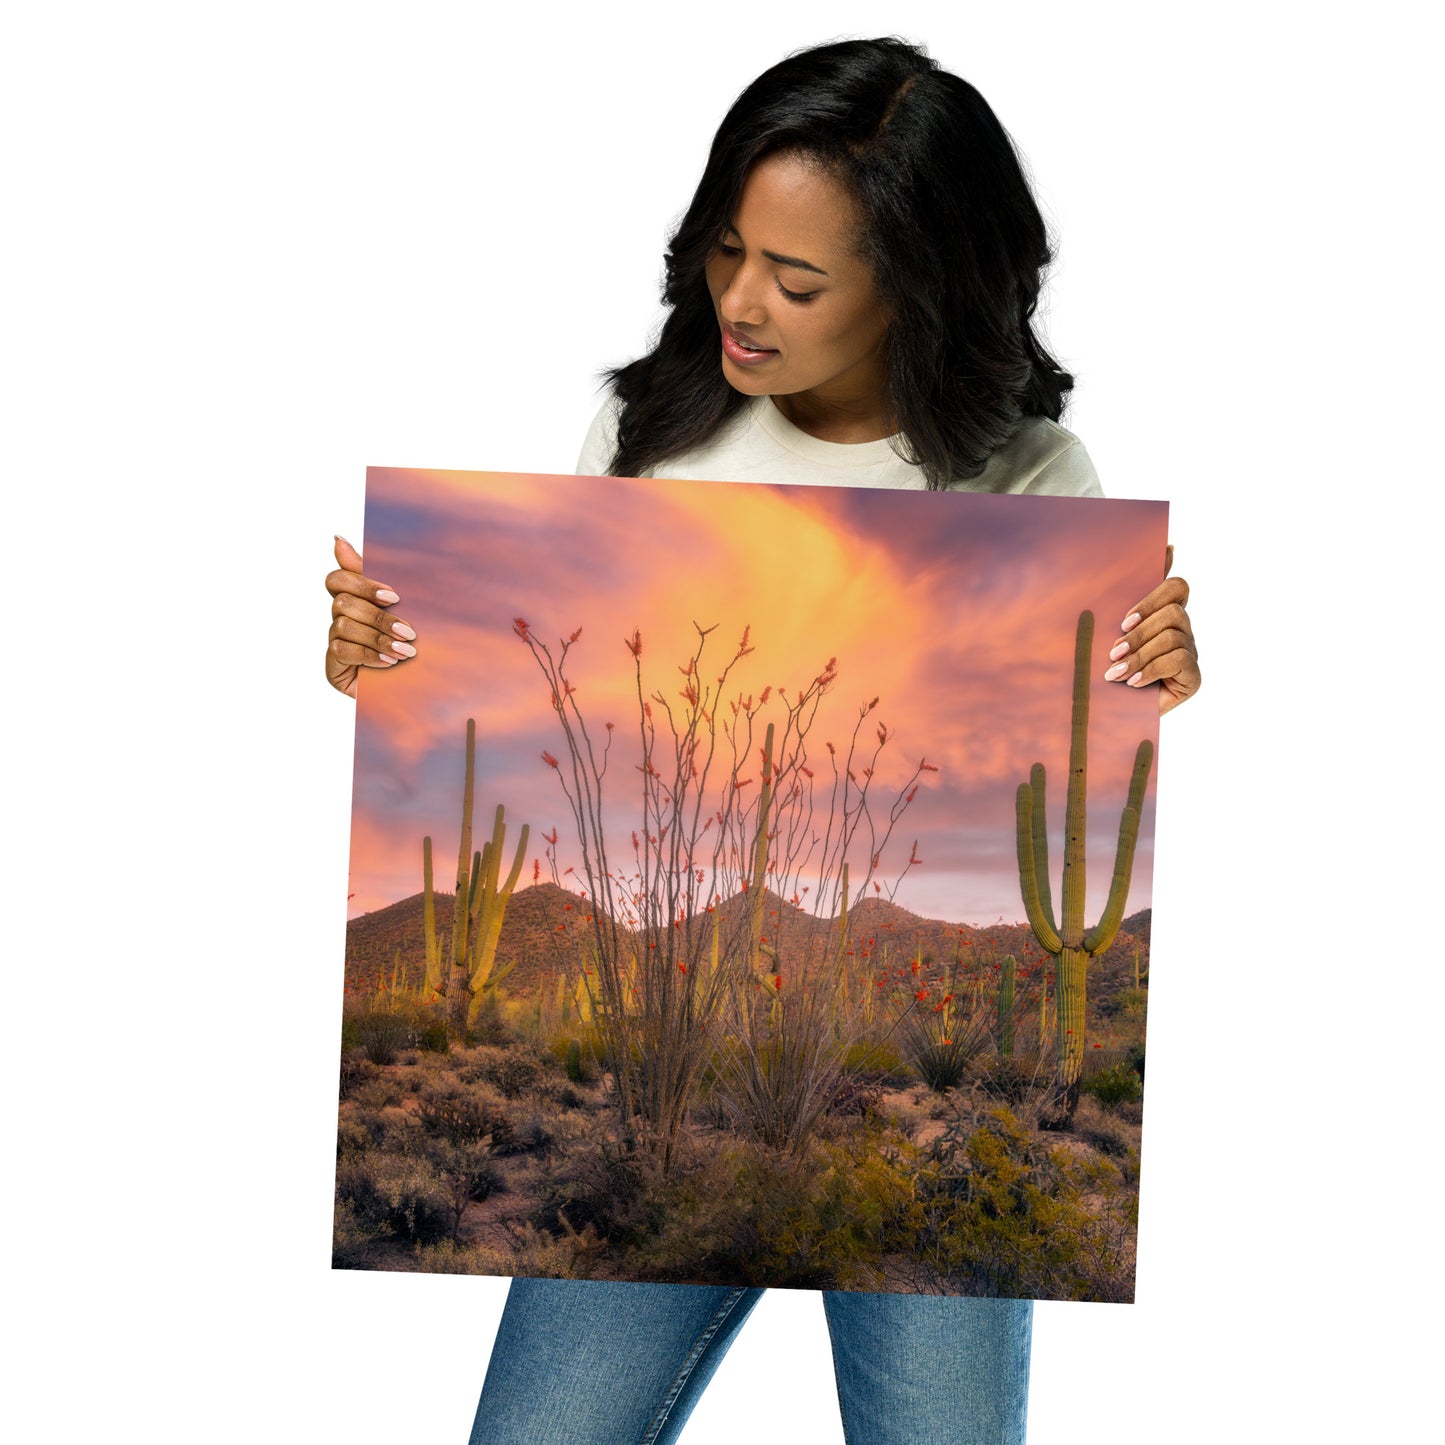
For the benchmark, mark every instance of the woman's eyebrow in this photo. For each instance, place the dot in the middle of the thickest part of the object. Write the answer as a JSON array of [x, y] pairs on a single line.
[[795, 261]]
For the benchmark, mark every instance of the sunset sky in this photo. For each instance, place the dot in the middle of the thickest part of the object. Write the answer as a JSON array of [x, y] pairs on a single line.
[[957, 610]]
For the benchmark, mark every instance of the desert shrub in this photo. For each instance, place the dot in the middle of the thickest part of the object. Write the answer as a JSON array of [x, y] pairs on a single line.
[[744, 1214], [356, 1070], [1105, 1129], [396, 1194], [534, 1254], [534, 1135], [857, 1094], [387, 1126], [353, 1240], [465, 1171], [382, 1035], [1006, 1215], [380, 1092], [880, 1060], [569, 1098], [462, 1115], [513, 1070], [1011, 1080], [1134, 1057], [1114, 1084], [943, 1063], [432, 1036], [489, 1028], [602, 1186], [1127, 1003]]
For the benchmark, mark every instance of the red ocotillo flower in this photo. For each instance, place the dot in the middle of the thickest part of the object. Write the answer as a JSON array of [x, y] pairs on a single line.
[[575, 636], [519, 626], [924, 767], [634, 643]]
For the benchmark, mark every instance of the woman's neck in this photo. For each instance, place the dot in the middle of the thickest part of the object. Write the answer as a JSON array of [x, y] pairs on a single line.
[[838, 420]]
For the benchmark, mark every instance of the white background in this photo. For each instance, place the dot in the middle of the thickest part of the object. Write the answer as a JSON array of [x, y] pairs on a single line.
[[252, 249]]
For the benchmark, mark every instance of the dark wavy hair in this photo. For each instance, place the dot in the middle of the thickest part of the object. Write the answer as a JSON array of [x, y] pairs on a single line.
[[949, 226]]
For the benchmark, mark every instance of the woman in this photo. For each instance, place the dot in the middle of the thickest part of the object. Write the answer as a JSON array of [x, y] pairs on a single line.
[[850, 299]]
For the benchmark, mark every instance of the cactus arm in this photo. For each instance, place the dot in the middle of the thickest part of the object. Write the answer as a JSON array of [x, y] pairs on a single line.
[[435, 976], [1075, 818], [1041, 924], [1101, 935], [1039, 824]]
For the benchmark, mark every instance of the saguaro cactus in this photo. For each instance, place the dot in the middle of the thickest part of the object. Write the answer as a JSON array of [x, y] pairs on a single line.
[[1071, 944], [464, 973], [1006, 1009]]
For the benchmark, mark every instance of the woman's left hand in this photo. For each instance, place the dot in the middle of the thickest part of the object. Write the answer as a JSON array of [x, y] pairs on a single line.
[[1156, 643]]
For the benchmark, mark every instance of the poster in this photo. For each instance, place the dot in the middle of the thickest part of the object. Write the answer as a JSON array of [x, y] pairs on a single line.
[[776, 968]]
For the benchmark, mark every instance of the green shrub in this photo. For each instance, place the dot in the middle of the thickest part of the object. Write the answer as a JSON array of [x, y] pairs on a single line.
[[432, 1036], [1127, 1003], [1114, 1085], [382, 1035], [881, 1060], [942, 1063], [1006, 1215], [396, 1194]]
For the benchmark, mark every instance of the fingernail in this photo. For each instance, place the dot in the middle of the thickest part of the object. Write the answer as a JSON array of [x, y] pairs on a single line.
[[1136, 679], [1119, 649], [340, 538], [1132, 620], [403, 649], [389, 661], [385, 594], [402, 630], [1116, 672]]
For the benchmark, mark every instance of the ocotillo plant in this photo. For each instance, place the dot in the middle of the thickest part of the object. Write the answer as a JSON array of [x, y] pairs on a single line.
[[729, 808], [465, 972], [1070, 943]]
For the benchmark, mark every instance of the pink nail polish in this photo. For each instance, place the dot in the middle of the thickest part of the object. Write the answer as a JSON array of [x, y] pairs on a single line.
[[402, 630], [403, 649], [1119, 649], [387, 660], [387, 596], [1116, 672], [1132, 620], [1134, 681]]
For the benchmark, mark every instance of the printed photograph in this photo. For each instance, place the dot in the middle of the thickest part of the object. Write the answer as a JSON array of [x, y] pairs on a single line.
[[750, 885]]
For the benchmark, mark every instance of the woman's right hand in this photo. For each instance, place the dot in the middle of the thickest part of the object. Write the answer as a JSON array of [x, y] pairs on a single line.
[[363, 633]]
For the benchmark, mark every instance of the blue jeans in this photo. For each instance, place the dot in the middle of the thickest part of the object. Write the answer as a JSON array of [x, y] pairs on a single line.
[[963, 1379]]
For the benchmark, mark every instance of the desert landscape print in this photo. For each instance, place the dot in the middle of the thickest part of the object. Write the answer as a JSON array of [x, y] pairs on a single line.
[[750, 885]]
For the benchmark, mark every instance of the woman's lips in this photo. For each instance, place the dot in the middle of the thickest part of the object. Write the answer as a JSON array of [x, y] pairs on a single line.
[[742, 350]]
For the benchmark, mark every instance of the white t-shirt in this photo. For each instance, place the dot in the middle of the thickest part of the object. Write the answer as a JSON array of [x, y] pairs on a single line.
[[759, 444]]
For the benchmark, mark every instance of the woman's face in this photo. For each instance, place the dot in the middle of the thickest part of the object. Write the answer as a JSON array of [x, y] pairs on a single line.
[[795, 303]]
